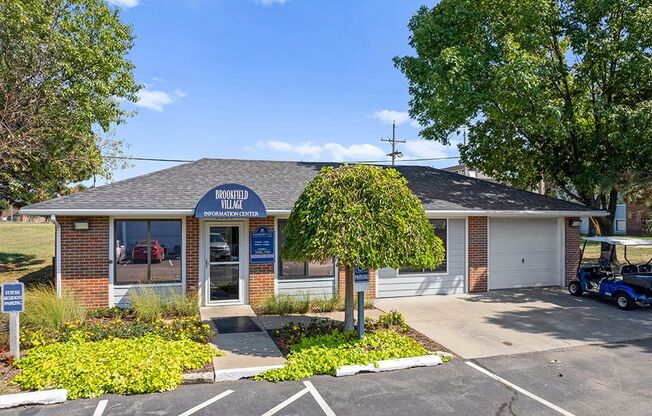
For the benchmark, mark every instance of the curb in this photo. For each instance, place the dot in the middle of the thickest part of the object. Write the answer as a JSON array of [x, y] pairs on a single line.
[[390, 365], [203, 377], [233, 374], [33, 397]]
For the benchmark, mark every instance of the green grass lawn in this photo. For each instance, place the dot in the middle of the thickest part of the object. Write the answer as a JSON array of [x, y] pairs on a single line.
[[635, 255], [26, 252]]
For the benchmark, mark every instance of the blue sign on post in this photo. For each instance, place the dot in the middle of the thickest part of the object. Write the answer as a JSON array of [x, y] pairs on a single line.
[[13, 297], [360, 279], [262, 246], [230, 200]]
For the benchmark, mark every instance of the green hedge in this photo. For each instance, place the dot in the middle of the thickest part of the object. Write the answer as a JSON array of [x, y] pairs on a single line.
[[122, 366], [325, 353]]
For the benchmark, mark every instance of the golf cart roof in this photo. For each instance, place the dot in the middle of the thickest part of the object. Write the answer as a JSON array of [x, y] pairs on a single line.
[[620, 241]]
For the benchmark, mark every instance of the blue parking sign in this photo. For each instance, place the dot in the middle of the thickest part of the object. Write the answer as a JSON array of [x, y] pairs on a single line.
[[13, 297], [360, 279]]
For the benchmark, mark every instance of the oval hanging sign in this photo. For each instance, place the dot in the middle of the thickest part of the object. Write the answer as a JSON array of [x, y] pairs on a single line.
[[230, 200]]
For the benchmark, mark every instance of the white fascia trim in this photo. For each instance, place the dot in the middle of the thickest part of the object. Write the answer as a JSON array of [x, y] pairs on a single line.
[[109, 212], [281, 212], [517, 213]]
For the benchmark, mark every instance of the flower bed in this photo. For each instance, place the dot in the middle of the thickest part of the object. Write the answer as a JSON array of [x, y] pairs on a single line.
[[97, 329], [322, 346], [123, 366], [143, 349]]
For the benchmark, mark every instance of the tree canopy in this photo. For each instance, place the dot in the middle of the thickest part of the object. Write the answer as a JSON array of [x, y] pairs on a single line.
[[64, 72], [559, 91], [364, 216]]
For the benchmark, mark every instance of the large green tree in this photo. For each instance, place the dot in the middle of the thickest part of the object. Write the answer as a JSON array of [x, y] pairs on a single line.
[[363, 216], [64, 72], [553, 90]]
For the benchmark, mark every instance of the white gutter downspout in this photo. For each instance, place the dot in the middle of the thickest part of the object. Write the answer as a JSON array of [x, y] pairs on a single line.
[[57, 253]]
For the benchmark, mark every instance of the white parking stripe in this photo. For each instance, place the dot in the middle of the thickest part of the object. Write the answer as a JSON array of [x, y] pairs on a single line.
[[206, 403], [519, 389], [320, 400], [99, 410], [285, 402]]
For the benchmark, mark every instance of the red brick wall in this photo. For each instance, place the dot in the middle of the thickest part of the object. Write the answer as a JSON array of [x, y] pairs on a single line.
[[477, 254], [572, 249], [85, 260], [192, 256], [261, 276], [341, 283]]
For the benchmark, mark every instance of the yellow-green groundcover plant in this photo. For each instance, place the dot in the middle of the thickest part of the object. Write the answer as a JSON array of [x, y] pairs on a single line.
[[325, 353], [122, 366]]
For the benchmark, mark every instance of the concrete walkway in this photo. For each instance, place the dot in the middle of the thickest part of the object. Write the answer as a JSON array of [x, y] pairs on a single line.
[[254, 351], [517, 321]]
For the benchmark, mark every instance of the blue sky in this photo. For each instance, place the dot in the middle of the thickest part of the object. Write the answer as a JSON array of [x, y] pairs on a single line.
[[269, 79]]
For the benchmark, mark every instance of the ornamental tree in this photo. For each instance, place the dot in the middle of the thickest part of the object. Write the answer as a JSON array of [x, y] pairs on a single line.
[[364, 216], [559, 91]]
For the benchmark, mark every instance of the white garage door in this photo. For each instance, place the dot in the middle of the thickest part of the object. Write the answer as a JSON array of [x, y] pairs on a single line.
[[524, 253]]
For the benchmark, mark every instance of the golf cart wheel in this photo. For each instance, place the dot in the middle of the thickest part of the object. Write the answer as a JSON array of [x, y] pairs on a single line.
[[575, 288], [624, 301]]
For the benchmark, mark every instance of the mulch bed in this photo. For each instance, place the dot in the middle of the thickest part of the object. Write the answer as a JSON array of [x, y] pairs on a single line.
[[427, 343], [7, 372]]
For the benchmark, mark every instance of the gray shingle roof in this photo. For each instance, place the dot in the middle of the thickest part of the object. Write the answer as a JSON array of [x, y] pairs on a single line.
[[279, 184]]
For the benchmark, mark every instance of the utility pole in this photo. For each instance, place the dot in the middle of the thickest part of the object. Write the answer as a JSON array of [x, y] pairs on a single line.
[[393, 141]]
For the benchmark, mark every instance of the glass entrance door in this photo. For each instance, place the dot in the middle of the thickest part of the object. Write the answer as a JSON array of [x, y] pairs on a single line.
[[224, 268]]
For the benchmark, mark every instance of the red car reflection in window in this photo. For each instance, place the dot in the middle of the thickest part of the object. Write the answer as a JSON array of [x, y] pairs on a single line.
[[140, 251]]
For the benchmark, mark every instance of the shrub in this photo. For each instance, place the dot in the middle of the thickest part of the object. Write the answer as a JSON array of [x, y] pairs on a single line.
[[325, 304], [147, 304], [189, 328], [110, 313], [392, 319], [292, 333], [176, 304], [45, 310], [122, 366], [325, 353], [284, 305], [289, 305]]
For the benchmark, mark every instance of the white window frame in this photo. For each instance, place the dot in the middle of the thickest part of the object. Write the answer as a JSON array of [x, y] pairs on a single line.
[[112, 258], [440, 273]]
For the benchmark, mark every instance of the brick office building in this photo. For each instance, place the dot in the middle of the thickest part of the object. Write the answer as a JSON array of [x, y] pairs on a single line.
[[213, 228]]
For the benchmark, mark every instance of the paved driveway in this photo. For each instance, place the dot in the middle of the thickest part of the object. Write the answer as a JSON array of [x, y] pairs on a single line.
[[516, 321]]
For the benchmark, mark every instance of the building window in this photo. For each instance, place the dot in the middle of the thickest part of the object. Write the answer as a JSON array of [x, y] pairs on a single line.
[[291, 269], [439, 226], [147, 251]]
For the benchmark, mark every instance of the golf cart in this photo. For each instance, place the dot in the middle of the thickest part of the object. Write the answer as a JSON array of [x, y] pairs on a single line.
[[627, 284]]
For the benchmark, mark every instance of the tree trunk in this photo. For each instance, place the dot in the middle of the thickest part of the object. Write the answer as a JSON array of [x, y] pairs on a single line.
[[602, 201], [348, 299]]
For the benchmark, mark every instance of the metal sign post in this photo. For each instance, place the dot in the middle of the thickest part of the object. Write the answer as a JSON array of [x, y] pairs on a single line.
[[360, 285], [13, 303]]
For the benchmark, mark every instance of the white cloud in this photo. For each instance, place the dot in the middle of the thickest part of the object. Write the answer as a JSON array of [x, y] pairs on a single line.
[[390, 116], [269, 3], [417, 149], [365, 151], [124, 3], [328, 151], [306, 148], [180, 93], [153, 100]]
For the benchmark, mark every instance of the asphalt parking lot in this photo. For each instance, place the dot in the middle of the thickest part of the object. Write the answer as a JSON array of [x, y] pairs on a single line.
[[606, 379]]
